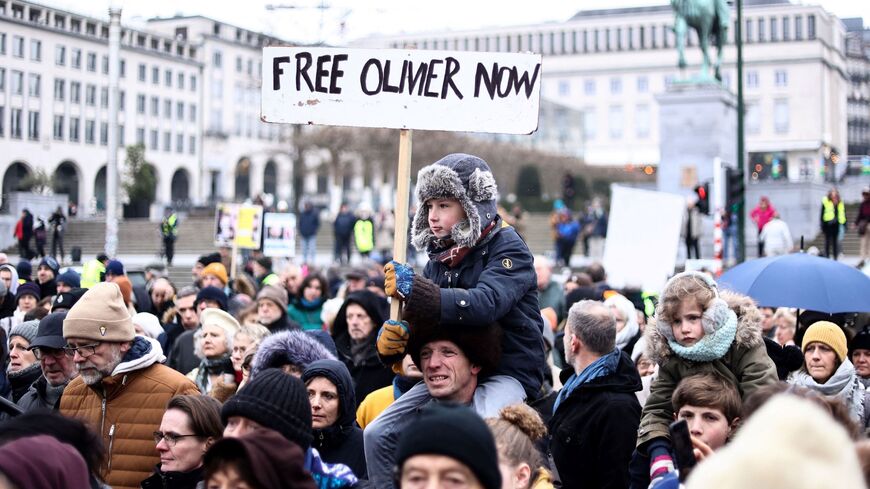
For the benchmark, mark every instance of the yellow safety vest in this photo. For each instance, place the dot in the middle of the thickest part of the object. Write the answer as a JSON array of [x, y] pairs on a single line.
[[828, 211], [364, 236], [92, 272]]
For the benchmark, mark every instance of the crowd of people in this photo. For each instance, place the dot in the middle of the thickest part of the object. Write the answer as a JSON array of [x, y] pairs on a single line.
[[499, 374]]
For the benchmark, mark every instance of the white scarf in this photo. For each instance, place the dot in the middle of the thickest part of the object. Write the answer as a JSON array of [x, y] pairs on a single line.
[[628, 332], [845, 385]]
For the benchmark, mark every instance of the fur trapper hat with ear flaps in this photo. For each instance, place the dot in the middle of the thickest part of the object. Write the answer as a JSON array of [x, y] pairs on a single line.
[[463, 177]]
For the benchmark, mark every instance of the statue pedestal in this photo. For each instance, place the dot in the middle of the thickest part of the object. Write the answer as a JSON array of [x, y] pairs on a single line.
[[697, 123]]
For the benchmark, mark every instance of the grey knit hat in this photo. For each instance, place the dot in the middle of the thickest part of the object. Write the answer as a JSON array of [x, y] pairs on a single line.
[[465, 178], [26, 330]]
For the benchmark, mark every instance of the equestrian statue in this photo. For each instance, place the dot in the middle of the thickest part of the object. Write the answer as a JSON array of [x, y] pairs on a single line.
[[710, 19]]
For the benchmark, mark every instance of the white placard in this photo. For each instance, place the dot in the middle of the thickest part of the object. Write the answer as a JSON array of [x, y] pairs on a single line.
[[279, 238], [402, 89], [643, 237]]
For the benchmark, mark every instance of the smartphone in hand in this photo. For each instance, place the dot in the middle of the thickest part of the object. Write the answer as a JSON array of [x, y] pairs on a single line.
[[684, 451]]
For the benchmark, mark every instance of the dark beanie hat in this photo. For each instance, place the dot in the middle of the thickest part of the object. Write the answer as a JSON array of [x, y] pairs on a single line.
[[28, 288], [861, 341], [66, 300], [25, 269], [50, 263], [277, 401], [212, 294], [71, 278], [461, 435], [265, 262], [206, 260]]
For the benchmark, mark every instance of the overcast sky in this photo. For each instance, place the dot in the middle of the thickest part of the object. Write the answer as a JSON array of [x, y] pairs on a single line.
[[345, 20]]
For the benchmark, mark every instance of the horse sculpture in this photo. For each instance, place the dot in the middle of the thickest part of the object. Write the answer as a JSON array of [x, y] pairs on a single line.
[[710, 19]]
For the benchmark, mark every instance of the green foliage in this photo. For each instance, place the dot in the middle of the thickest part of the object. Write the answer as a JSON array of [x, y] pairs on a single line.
[[38, 182], [529, 189], [140, 180]]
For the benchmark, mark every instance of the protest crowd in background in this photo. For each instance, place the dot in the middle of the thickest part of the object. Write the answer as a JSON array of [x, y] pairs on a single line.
[[507, 370]]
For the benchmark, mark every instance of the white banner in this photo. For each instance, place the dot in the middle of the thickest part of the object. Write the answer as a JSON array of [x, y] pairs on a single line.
[[402, 89], [280, 236]]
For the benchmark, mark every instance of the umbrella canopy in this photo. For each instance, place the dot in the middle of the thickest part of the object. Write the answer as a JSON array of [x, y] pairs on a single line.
[[802, 281]]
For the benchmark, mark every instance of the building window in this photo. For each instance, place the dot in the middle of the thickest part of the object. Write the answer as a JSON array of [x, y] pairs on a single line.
[[785, 29], [59, 89], [192, 83], [167, 109], [90, 95], [74, 129], [76, 59], [614, 121], [122, 99], [123, 68], [564, 88], [780, 116], [589, 87], [179, 143], [217, 88], [2, 120], [191, 145], [167, 78], [140, 103], [217, 59], [58, 128], [17, 82], [34, 85], [239, 64], [104, 133], [142, 72], [747, 31], [60, 55], [92, 62], [181, 80], [642, 84], [798, 28], [751, 79], [33, 125], [192, 112], [179, 111], [615, 86], [781, 78], [589, 124], [15, 124], [2, 43], [140, 135], [18, 46], [2, 80], [155, 75], [153, 140], [90, 131], [811, 27], [761, 30], [35, 50], [752, 117], [774, 35], [75, 92], [155, 106], [104, 64], [642, 121], [104, 97], [167, 141], [121, 137]]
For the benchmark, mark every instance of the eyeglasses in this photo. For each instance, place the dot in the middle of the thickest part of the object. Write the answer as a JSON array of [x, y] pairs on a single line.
[[170, 438], [42, 352], [84, 351]]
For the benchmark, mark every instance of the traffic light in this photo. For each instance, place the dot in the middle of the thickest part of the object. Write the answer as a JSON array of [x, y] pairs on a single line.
[[703, 194], [734, 187]]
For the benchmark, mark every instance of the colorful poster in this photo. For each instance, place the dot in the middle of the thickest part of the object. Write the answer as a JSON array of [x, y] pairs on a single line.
[[240, 223]]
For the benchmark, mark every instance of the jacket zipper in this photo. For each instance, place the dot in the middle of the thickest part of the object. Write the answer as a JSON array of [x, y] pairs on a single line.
[[111, 440]]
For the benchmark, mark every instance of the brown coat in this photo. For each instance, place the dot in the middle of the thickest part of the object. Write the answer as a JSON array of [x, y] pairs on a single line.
[[127, 409]]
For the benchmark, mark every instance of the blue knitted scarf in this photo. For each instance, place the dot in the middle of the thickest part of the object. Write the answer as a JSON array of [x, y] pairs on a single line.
[[712, 346]]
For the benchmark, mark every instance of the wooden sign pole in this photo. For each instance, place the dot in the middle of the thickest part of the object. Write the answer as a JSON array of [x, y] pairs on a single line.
[[403, 190]]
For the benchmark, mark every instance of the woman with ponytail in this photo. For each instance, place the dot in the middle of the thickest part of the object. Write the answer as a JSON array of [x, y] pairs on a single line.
[[517, 430]]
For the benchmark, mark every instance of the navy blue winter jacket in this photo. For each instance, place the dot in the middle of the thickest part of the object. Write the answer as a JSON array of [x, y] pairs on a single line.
[[309, 222], [497, 281]]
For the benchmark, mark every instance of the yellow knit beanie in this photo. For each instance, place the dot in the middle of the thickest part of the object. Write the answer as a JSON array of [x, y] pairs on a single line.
[[828, 333]]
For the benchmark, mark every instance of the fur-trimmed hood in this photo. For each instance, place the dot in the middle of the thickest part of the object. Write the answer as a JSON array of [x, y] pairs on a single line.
[[296, 347], [463, 177], [748, 328]]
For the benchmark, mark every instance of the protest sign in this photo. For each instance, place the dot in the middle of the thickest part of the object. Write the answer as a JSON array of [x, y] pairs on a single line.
[[643, 237], [238, 225], [402, 89], [280, 236]]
